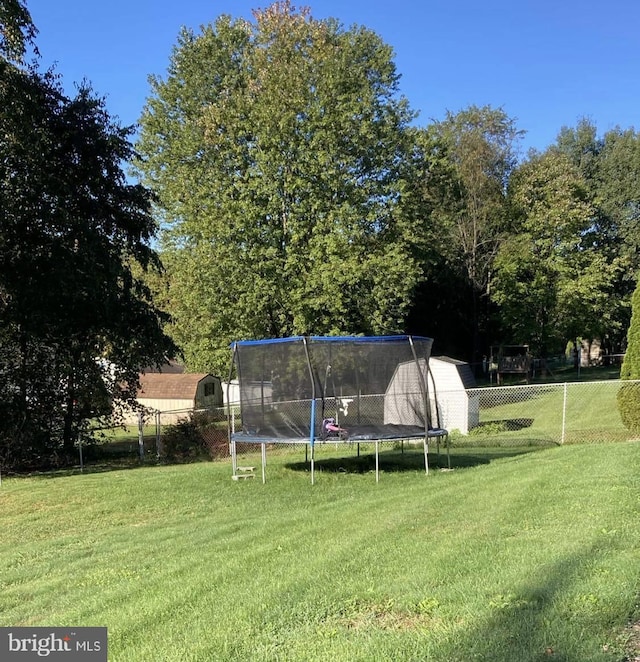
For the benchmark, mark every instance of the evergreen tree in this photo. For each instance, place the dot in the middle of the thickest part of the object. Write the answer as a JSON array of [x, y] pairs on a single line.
[[629, 394]]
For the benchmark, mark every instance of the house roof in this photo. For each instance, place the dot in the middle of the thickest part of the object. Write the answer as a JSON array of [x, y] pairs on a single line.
[[171, 366], [168, 386]]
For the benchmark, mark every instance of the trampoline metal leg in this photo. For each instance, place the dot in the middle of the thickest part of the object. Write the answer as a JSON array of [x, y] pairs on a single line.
[[313, 466], [377, 464], [234, 458], [264, 463], [426, 456]]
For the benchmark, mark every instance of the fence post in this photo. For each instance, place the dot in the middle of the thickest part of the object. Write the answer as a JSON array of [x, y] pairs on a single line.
[[80, 453], [564, 413], [158, 439], [141, 436]]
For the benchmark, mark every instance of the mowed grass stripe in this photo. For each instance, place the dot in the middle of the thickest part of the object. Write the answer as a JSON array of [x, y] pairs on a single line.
[[501, 561]]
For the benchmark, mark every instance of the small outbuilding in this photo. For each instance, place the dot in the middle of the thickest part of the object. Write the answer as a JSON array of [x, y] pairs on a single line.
[[452, 406], [179, 393], [452, 383]]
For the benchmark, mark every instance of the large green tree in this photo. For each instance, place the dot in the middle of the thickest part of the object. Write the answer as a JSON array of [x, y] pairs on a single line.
[[610, 165], [469, 158], [549, 281], [619, 197], [76, 326], [17, 30], [279, 152]]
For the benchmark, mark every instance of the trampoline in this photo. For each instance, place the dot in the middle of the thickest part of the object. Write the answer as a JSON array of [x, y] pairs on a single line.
[[315, 390]]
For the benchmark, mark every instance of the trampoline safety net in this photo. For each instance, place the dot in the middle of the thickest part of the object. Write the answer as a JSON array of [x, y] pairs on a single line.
[[316, 388]]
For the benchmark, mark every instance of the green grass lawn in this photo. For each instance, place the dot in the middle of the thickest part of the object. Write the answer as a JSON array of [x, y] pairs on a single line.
[[512, 557]]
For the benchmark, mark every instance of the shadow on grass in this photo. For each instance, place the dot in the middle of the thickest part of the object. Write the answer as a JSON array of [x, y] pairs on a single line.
[[103, 458], [93, 467], [537, 621], [396, 461], [505, 425]]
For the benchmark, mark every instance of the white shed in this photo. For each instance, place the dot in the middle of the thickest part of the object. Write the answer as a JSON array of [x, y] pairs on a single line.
[[450, 379], [451, 405]]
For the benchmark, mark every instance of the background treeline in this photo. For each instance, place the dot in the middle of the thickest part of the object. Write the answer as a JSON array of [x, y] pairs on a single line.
[[295, 193], [298, 194]]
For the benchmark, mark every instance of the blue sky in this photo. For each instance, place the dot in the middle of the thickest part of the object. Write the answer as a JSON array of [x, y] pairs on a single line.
[[547, 63]]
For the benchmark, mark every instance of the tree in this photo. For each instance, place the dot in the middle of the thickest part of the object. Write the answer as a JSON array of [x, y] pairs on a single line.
[[611, 167], [619, 192], [472, 156], [76, 326], [279, 154], [629, 394], [548, 281], [16, 29]]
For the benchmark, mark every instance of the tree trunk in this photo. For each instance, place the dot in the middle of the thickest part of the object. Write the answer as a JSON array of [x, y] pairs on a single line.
[[69, 433]]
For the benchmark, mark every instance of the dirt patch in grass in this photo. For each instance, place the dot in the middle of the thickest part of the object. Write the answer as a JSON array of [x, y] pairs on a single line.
[[633, 643], [385, 615]]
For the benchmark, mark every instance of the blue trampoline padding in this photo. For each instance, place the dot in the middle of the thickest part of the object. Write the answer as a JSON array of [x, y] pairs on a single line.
[[329, 339], [384, 432]]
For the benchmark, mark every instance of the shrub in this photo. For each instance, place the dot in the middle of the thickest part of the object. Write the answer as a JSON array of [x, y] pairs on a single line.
[[198, 436], [490, 427], [629, 406], [629, 394]]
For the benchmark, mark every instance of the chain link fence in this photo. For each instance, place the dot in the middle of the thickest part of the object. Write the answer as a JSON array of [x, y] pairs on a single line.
[[574, 412], [159, 436], [494, 416], [534, 415]]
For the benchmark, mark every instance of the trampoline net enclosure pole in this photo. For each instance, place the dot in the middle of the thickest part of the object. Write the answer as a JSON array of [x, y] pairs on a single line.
[[232, 443], [426, 455], [312, 422], [425, 404]]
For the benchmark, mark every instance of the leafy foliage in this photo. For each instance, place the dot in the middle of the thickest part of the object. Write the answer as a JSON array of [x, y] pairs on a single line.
[[16, 29], [279, 154], [629, 394], [471, 155], [197, 436], [541, 273], [76, 326], [631, 364], [610, 166]]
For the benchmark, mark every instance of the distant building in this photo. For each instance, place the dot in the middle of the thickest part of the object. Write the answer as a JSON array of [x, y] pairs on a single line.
[[177, 393]]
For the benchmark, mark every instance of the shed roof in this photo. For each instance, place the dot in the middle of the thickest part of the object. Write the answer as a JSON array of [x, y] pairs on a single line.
[[462, 367], [168, 386]]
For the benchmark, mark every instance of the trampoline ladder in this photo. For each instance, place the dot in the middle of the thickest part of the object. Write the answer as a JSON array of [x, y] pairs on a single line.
[[244, 472]]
